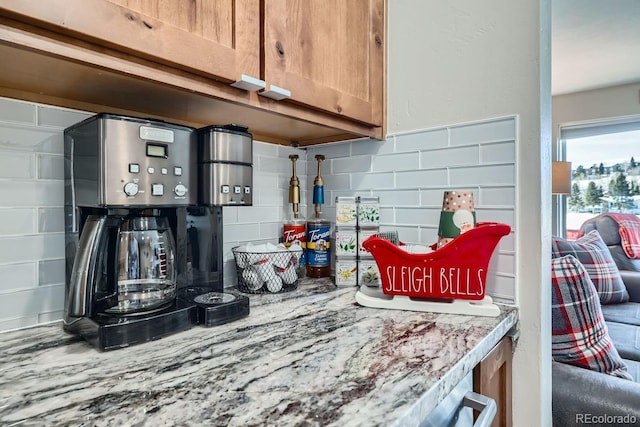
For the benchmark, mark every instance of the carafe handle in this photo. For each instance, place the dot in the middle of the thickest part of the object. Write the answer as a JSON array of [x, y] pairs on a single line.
[[79, 294]]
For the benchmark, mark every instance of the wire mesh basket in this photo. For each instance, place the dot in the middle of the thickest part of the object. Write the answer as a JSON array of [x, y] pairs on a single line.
[[267, 272]]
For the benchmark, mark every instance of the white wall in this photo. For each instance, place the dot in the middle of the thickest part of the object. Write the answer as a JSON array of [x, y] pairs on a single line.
[[451, 62], [597, 104]]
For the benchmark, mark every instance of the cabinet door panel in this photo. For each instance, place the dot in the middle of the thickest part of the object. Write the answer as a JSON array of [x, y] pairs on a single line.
[[218, 39], [492, 378], [328, 53]]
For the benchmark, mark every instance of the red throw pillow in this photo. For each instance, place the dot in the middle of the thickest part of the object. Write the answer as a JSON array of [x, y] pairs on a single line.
[[596, 258], [579, 334]]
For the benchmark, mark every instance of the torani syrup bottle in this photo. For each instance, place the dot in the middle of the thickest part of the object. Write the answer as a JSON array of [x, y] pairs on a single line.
[[318, 233], [294, 228]]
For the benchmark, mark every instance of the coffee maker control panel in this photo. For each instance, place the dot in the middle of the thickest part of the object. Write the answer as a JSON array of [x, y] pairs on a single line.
[[131, 162]]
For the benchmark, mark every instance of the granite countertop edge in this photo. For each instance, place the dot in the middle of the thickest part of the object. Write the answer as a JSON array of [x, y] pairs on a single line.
[[323, 360], [436, 394]]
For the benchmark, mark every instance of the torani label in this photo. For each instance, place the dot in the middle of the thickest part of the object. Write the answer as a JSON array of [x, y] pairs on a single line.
[[318, 244]]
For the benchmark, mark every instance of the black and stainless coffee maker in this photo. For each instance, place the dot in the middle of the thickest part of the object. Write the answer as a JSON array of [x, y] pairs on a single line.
[[128, 185], [144, 253]]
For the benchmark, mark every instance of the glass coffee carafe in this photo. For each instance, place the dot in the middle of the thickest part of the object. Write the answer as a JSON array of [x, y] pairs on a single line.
[[124, 265], [146, 271]]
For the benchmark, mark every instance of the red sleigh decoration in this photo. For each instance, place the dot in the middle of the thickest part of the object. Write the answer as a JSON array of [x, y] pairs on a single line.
[[454, 275]]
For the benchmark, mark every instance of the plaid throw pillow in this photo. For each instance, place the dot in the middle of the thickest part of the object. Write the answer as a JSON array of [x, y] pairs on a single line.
[[596, 258], [579, 334]]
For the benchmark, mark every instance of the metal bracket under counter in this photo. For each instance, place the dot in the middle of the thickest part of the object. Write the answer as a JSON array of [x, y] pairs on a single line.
[[457, 408]]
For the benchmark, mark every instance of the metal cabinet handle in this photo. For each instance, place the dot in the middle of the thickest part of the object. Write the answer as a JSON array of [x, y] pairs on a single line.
[[486, 405]]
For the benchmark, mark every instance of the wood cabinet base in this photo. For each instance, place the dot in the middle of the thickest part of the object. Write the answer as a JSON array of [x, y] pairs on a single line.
[[492, 378]]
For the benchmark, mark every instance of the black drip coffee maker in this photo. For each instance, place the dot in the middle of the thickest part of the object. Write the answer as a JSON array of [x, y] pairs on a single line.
[[137, 266]]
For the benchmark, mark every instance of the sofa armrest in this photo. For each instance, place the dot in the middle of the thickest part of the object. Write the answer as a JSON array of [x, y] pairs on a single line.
[[631, 280], [578, 394]]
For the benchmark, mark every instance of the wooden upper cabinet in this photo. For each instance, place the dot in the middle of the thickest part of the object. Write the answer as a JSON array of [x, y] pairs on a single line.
[[328, 54], [218, 39]]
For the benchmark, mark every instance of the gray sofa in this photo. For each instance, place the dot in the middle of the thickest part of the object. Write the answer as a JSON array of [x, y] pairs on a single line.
[[581, 396]]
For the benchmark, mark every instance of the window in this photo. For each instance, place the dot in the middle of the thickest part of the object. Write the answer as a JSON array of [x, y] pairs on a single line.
[[605, 164]]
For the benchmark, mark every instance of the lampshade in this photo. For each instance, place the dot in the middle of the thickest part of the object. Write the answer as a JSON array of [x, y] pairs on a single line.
[[561, 177]]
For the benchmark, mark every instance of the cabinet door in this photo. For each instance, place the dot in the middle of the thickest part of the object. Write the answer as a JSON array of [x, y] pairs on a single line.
[[328, 54], [492, 378], [219, 39]]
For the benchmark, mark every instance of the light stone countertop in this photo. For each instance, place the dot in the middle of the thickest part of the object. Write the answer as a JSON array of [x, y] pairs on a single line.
[[311, 357]]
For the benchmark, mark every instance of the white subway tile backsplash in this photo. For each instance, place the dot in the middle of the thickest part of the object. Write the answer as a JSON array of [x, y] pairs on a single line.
[[17, 276], [31, 248], [50, 167], [265, 149], [373, 181], [50, 220], [503, 262], [351, 164], [372, 147], [450, 157], [406, 233], [271, 231], [501, 286], [16, 111], [409, 172], [59, 117], [428, 236], [489, 131], [418, 216], [483, 175], [267, 164], [241, 232], [427, 140], [17, 221], [387, 215], [330, 151], [32, 194], [263, 180], [328, 211], [339, 182], [270, 197], [31, 302], [496, 196], [478, 157], [18, 323], [506, 216], [30, 139], [399, 197], [17, 165], [229, 215], [396, 162], [500, 152], [259, 214], [507, 243], [51, 316], [422, 178], [51, 272]]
